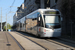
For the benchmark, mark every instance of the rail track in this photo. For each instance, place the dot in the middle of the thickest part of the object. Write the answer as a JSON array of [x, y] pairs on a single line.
[[15, 41], [32, 41], [62, 43], [67, 44]]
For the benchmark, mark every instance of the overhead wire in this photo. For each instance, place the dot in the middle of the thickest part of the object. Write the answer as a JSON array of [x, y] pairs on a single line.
[[11, 6], [12, 3]]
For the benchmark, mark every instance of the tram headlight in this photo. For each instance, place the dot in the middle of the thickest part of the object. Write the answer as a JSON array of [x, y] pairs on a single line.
[[51, 30], [44, 30]]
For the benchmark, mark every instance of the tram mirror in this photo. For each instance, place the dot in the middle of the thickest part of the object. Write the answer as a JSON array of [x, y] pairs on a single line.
[[34, 19]]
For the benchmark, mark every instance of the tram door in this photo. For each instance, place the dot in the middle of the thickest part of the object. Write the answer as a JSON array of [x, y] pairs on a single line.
[[39, 25]]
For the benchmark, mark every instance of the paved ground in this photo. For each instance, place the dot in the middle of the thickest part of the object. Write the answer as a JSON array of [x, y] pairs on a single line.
[[27, 44], [7, 42]]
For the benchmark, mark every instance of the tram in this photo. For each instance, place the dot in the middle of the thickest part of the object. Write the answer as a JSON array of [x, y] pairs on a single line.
[[42, 23]]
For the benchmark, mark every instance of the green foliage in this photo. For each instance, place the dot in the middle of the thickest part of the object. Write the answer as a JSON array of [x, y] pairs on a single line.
[[8, 26]]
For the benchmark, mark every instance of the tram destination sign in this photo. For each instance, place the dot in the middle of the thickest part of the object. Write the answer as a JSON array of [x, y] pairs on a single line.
[[51, 12]]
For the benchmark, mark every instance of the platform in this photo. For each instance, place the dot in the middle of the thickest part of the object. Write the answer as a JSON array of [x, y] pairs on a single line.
[[27, 44], [7, 42]]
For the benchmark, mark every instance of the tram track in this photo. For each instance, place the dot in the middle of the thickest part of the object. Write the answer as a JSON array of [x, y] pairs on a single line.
[[15, 41], [8, 44], [66, 40], [55, 41], [61, 42], [32, 41]]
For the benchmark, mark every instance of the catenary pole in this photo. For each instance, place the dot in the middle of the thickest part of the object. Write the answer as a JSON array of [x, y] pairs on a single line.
[[6, 22], [1, 19]]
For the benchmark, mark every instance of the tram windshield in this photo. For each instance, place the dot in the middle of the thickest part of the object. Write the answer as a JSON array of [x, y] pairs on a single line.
[[52, 21]]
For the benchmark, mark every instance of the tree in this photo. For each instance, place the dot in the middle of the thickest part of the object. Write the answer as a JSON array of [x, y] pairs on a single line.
[[8, 27]]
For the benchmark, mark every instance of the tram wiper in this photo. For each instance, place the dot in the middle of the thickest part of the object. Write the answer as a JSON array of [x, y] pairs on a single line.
[[51, 27]]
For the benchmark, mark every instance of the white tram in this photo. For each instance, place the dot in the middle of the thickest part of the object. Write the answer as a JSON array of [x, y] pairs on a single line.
[[42, 22]]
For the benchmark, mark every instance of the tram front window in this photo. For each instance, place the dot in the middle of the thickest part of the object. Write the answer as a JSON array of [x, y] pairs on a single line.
[[52, 21]]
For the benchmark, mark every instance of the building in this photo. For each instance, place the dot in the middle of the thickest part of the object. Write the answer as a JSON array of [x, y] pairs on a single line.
[[3, 24], [65, 6], [67, 9], [29, 6]]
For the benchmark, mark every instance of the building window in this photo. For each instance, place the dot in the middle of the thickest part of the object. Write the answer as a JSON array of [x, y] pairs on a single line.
[[56, 1], [24, 0], [29, 0], [47, 3]]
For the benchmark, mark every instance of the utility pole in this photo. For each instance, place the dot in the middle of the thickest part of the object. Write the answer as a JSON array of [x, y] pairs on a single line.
[[6, 22], [1, 19]]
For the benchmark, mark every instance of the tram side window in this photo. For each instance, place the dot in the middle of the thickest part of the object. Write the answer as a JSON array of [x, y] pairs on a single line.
[[40, 21], [19, 24]]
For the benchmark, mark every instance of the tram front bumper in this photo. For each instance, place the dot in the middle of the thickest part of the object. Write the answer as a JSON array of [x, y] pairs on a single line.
[[51, 34]]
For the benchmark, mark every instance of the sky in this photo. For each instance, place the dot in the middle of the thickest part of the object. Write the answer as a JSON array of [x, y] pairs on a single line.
[[5, 5]]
